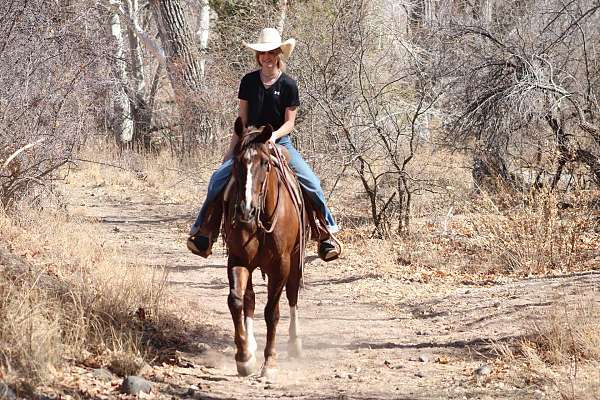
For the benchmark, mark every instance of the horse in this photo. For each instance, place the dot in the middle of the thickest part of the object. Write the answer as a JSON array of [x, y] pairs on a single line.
[[264, 227]]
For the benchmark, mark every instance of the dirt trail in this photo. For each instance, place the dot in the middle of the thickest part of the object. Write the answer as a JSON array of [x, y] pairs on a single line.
[[418, 344]]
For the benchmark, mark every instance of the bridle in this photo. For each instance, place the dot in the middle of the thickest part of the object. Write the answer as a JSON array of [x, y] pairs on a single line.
[[257, 213]]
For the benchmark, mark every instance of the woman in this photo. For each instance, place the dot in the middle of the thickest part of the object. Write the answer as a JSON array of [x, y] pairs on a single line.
[[266, 96]]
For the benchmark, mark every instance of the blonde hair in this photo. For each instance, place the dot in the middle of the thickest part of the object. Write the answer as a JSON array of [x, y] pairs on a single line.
[[280, 62]]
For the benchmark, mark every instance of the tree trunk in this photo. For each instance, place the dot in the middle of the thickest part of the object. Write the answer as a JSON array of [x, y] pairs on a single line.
[[404, 200], [141, 113], [486, 9], [203, 32], [122, 122], [183, 65], [282, 15]]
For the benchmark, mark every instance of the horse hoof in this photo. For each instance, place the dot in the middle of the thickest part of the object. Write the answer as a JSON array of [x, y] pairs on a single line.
[[245, 368], [295, 348], [269, 374]]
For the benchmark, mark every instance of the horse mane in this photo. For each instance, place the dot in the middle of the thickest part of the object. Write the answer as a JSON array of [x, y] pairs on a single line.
[[249, 140]]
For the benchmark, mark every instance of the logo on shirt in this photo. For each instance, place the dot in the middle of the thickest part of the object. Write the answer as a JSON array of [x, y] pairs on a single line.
[[276, 92]]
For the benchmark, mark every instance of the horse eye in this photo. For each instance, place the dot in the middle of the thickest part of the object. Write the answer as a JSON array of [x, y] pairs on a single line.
[[264, 163]]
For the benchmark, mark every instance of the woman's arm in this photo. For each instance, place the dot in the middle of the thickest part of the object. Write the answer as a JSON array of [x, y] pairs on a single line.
[[288, 124], [243, 114]]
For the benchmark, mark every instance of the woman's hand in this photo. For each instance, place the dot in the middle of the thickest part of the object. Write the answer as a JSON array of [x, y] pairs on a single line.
[[274, 136]]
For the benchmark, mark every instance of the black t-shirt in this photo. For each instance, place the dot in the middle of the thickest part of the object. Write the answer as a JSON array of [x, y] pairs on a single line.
[[267, 106]]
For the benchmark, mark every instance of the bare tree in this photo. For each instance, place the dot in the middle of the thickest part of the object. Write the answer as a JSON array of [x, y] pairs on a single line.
[[521, 94], [283, 4], [49, 92], [123, 123], [358, 84]]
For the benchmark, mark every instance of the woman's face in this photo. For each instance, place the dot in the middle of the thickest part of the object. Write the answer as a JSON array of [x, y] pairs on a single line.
[[268, 59]]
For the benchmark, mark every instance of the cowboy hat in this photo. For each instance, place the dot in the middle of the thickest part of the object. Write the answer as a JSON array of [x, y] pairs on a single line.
[[269, 39]]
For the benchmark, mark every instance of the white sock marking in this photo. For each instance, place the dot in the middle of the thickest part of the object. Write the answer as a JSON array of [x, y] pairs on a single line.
[[293, 323], [252, 346]]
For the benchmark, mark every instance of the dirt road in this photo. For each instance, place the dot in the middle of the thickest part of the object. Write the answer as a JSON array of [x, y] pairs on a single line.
[[365, 336]]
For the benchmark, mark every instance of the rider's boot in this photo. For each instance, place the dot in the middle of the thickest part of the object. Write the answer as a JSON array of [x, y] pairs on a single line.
[[202, 238], [327, 250]]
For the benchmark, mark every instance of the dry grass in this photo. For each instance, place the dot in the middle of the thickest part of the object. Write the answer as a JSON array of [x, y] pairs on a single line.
[[458, 236], [569, 332], [76, 299], [163, 174], [561, 352], [532, 237], [30, 330]]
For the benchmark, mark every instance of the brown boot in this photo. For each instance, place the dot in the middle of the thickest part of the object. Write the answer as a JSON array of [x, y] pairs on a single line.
[[327, 250], [200, 245], [201, 240]]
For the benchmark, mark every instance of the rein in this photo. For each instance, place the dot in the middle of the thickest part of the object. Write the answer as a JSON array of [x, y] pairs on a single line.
[[263, 196]]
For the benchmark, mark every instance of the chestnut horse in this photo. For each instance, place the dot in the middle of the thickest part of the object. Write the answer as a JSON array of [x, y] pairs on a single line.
[[263, 228]]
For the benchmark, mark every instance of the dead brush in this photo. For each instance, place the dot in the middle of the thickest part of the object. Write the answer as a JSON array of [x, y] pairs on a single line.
[[529, 236], [570, 332], [88, 310], [562, 350], [30, 331]]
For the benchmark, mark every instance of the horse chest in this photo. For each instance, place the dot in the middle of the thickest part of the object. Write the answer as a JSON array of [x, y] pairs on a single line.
[[253, 249]]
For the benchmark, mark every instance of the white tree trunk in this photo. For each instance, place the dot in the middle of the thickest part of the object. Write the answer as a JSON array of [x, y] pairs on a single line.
[[282, 15], [203, 32], [123, 123], [134, 25], [137, 64], [487, 10]]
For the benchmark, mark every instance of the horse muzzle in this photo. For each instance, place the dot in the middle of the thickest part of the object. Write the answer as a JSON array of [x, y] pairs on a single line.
[[246, 214]]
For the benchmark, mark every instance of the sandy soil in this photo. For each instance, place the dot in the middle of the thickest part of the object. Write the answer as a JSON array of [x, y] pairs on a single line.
[[365, 336]]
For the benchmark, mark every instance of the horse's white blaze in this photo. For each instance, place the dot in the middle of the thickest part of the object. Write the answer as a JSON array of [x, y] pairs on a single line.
[[252, 346], [293, 323], [249, 187]]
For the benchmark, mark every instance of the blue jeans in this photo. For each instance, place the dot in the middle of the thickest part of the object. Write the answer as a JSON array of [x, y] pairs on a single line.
[[308, 180]]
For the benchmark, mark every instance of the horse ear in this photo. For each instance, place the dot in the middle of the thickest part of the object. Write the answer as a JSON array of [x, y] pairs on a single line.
[[238, 127], [266, 133]]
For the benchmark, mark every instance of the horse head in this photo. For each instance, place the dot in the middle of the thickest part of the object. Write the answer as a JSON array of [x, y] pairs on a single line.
[[251, 167]]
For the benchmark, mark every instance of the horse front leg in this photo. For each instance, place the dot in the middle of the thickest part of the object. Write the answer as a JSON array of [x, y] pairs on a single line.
[[276, 284], [249, 304], [238, 279]]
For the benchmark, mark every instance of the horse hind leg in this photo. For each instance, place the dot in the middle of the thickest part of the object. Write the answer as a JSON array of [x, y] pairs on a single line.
[[275, 288], [292, 289], [245, 360]]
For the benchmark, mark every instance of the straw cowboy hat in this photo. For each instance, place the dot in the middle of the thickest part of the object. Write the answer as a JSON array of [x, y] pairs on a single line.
[[269, 39]]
